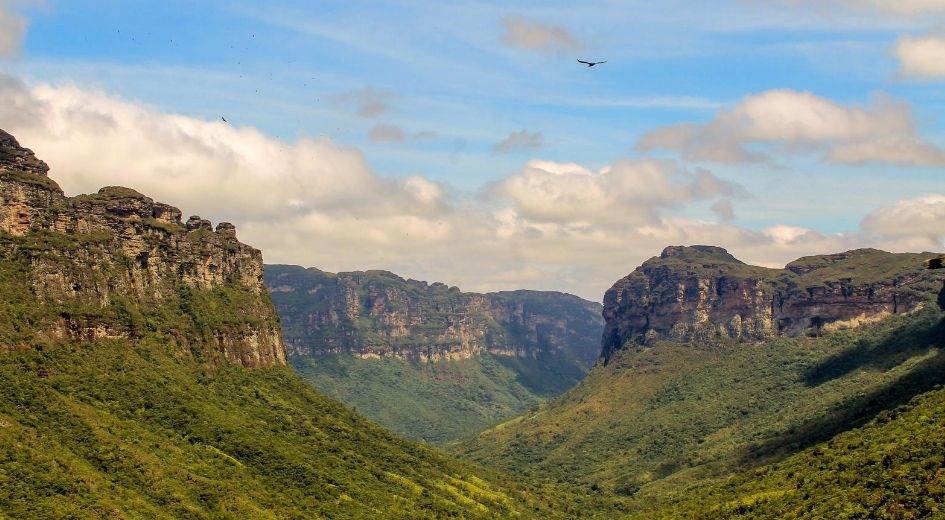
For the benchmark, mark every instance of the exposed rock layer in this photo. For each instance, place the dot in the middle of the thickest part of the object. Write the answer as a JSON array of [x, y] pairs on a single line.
[[87, 251], [378, 314], [702, 293]]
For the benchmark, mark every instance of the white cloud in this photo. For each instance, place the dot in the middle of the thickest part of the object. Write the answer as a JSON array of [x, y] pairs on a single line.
[[536, 36], [522, 140], [621, 194], [788, 121], [921, 57], [921, 218], [12, 30], [552, 225]]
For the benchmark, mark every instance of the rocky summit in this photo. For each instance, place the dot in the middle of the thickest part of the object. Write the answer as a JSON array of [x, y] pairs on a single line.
[[703, 293], [88, 254]]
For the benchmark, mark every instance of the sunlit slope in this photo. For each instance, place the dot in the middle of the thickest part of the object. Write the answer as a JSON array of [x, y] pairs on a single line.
[[432, 402], [891, 468], [114, 429], [660, 419]]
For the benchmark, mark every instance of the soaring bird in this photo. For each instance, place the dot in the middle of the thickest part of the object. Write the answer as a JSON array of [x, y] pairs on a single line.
[[935, 263], [224, 119], [591, 63]]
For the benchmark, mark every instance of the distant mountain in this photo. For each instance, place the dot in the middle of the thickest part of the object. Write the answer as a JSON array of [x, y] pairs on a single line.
[[715, 367], [702, 293], [142, 372], [428, 360]]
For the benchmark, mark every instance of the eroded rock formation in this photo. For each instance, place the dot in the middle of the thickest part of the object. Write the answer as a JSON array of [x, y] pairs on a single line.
[[702, 293], [379, 314], [88, 252]]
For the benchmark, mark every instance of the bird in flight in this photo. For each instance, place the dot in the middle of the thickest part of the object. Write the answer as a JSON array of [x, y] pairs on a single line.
[[224, 119], [591, 63]]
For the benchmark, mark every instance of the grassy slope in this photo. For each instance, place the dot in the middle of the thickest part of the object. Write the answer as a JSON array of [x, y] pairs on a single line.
[[893, 467], [88, 430], [433, 402], [158, 426], [659, 420]]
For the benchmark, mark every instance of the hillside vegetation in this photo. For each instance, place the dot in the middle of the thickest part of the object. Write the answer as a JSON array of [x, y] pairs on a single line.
[[426, 360], [143, 376], [660, 423]]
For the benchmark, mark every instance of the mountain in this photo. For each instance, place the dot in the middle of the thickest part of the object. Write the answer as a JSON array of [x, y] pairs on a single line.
[[144, 375], [702, 293], [718, 373], [427, 360]]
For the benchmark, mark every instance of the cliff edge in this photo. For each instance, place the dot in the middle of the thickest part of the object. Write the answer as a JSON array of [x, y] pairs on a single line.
[[117, 264]]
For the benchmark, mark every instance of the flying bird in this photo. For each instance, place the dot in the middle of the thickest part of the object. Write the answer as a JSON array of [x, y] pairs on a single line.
[[224, 119], [591, 63]]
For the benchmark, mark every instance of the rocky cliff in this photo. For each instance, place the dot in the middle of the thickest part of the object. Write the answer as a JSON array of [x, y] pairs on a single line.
[[702, 293], [117, 264], [379, 314]]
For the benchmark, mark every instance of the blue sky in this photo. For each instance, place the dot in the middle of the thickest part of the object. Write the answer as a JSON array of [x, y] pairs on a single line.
[[440, 85]]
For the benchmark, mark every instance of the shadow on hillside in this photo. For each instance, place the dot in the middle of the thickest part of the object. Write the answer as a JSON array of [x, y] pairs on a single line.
[[857, 411], [898, 346]]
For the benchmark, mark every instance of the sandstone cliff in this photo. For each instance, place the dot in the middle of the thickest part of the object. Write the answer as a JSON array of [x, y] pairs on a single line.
[[113, 264], [702, 293], [378, 314]]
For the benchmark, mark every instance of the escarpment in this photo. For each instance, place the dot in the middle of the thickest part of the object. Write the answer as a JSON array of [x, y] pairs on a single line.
[[376, 314], [702, 293], [116, 264]]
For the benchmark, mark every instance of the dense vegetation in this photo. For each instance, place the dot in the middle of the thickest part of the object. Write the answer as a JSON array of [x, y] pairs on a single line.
[[152, 422], [891, 468], [433, 402], [660, 423], [358, 337], [91, 430]]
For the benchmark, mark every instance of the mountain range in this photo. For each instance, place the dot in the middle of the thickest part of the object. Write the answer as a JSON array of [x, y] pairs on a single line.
[[147, 371]]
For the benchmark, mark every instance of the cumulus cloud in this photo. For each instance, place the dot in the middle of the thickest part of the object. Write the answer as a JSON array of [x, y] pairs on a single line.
[[368, 102], [624, 193], [921, 57], [921, 218], [791, 121], [12, 30], [522, 140], [538, 37], [313, 202], [92, 139]]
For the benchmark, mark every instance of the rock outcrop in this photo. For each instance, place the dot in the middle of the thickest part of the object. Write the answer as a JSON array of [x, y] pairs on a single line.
[[703, 294], [87, 254], [379, 314]]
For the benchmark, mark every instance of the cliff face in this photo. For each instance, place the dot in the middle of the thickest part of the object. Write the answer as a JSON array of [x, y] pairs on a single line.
[[102, 262], [378, 314], [702, 293]]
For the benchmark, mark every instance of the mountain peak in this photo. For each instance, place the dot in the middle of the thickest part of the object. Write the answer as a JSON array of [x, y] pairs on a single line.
[[15, 157]]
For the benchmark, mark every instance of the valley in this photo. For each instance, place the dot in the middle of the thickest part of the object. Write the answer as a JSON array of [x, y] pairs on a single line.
[[426, 360]]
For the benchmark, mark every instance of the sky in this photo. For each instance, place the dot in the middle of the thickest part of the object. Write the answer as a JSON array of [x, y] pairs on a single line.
[[462, 142]]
